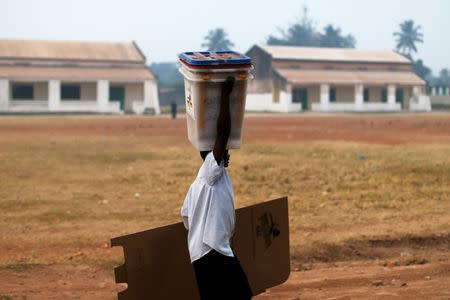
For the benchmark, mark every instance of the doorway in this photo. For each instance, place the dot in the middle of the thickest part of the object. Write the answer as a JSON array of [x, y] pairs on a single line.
[[117, 94], [399, 96], [300, 95]]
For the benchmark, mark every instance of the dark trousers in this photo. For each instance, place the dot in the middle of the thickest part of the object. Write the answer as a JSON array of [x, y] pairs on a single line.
[[221, 277]]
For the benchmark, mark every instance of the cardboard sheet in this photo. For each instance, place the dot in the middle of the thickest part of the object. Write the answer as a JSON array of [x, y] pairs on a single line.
[[157, 264]]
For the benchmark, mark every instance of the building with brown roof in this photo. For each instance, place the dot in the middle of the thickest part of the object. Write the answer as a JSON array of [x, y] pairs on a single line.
[[83, 77], [291, 79]]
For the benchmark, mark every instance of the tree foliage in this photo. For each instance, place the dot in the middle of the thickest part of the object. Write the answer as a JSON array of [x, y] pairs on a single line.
[[168, 75], [332, 38], [217, 40], [421, 69], [407, 38], [444, 76], [304, 33]]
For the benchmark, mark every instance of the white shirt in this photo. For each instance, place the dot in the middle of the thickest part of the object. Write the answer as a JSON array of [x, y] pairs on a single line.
[[208, 210]]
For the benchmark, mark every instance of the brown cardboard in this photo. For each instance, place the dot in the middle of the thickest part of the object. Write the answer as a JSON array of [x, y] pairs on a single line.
[[157, 264]]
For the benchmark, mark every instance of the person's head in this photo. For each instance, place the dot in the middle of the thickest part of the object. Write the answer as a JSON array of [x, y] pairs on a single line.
[[226, 157]]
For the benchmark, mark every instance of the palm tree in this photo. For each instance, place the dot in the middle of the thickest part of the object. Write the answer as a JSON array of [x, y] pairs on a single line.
[[217, 40], [407, 38]]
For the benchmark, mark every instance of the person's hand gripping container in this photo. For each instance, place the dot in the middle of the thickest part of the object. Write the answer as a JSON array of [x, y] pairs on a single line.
[[204, 76]]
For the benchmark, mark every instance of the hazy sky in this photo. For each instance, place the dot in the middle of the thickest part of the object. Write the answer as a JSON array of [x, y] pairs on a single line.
[[164, 28]]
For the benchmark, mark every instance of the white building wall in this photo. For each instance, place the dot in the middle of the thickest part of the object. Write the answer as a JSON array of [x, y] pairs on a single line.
[[391, 95], [351, 99], [54, 95], [324, 98], [94, 97], [151, 98], [103, 95], [353, 107], [134, 97], [359, 96], [419, 101], [88, 106], [261, 102], [27, 106], [264, 103], [4, 94]]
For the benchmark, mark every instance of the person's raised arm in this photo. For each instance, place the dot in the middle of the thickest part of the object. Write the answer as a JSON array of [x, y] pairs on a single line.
[[223, 121]]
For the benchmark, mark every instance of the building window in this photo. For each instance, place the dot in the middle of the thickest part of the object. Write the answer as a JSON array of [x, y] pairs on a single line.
[[70, 92], [333, 94], [399, 96], [300, 95], [23, 92], [366, 95], [384, 95]]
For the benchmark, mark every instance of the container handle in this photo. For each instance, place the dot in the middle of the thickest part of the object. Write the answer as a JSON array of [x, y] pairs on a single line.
[[190, 78]]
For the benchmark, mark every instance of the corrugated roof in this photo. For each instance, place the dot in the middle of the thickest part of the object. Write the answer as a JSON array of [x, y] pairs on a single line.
[[75, 74], [333, 54], [349, 77], [68, 50]]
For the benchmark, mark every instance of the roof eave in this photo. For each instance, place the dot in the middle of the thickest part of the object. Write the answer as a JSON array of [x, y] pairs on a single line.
[[144, 59], [340, 61]]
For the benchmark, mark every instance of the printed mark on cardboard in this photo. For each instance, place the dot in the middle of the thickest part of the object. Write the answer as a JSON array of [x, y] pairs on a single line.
[[267, 229]]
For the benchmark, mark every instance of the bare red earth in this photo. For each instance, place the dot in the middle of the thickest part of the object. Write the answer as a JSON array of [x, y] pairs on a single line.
[[378, 129]]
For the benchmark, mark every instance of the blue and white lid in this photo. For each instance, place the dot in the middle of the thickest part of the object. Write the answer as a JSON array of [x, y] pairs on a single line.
[[215, 58]]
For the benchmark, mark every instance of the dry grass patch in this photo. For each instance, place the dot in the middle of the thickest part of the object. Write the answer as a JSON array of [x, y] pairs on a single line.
[[62, 198]]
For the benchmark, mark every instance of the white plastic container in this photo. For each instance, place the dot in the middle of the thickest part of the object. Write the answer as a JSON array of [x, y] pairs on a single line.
[[204, 74]]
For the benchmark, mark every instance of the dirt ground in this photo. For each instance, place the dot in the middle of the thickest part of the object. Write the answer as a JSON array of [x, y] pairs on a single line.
[[350, 280], [377, 129], [410, 261]]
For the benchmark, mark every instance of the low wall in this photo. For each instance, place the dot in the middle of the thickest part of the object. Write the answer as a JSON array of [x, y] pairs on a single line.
[[264, 103], [440, 102], [420, 103], [78, 106], [352, 107], [25, 106]]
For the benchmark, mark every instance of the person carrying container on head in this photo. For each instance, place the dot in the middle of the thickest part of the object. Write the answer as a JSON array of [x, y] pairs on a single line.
[[208, 213], [173, 109]]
